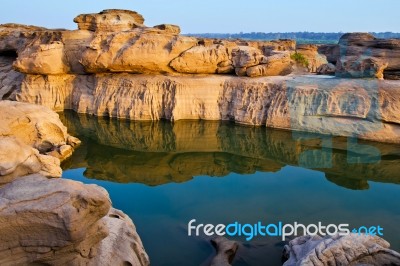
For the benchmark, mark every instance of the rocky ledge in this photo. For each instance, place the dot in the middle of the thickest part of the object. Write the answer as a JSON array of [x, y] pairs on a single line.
[[54, 221], [115, 66]]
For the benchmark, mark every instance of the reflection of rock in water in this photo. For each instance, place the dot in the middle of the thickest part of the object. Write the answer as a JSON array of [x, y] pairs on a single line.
[[160, 152]]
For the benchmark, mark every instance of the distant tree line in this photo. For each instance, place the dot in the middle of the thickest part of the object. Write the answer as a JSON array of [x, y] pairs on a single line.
[[301, 37]]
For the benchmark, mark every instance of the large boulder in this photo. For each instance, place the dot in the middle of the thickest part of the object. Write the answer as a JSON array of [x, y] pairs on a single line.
[[279, 64], [140, 51], [204, 60], [364, 56], [311, 53], [63, 222], [19, 159], [351, 249], [110, 20], [34, 125]]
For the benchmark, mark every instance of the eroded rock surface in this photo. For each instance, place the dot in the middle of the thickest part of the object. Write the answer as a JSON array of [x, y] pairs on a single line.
[[64, 222], [346, 107], [361, 55], [350, 250]]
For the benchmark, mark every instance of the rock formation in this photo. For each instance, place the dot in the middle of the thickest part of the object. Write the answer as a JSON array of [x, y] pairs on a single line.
[[350, 250], [111, 66], [60, 221], [361, 55], [55, 221]]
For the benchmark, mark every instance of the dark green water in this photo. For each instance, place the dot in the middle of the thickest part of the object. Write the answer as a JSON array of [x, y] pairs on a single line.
[[165, 174]]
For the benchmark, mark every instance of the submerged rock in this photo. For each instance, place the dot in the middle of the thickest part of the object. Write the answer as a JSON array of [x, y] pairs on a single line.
[[226, 250], [352, 249]]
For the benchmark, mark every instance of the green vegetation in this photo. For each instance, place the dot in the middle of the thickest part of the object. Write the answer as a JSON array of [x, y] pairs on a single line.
[[300, 59]]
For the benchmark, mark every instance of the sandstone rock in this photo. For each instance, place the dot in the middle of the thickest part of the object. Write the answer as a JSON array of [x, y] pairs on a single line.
[[34, 125], [134, 52], [326, 69], [360, 67], [110, 20], [352, 249], [246, 56], [363, 55], [18, 159], [315, 104], [14, 37], [169, 28], [46, 59], [331, 51], [278, 64], [314, 58], [10, 80], [123, 245], [203, 60], [226, 251]]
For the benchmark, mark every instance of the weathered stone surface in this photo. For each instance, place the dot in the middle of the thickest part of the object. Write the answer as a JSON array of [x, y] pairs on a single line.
[[36, 126], [44, 59], [32, 140], [123, 245], [64, 222], [134, 52], [278, 64], [169, 28], [247, 56], [314, 58], [315, 104], [19, 159], [331, 51], [14, 37], [10, 80], [363, 55], [226, 251], [326, 69], [352, 249], [110, 20], [203, 60]]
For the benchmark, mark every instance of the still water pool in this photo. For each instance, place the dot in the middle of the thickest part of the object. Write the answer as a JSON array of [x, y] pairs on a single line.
[[165, 174]]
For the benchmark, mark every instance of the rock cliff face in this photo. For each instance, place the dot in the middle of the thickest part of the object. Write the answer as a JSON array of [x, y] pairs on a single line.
[[112, 66], [346, 107]]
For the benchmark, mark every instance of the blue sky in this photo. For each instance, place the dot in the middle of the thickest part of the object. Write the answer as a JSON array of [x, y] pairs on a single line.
[[221, 16]]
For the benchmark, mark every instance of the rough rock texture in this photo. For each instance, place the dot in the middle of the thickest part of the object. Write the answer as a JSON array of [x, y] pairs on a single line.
[[203, 60], [364, 56], [110, 20], [36, 126], [64, 222], [350, 250], [314, 58], [226, 251], [279, 64], [346, 107], [117, 41], [123, 245], [10, 80], [19, 159], [326, 69]]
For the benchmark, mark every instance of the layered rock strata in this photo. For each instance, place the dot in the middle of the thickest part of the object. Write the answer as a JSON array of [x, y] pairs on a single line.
[[111, 66]]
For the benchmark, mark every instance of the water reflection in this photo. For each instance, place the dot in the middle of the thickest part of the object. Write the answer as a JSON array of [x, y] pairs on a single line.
[[155, 153]]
